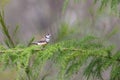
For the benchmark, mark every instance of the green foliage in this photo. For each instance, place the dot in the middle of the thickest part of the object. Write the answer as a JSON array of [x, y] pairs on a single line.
[[30, 41], [103, 3], [68, 55], [65, 5], [8, 39], [113, 4], [3, 3], [112, 33], [64, 31]]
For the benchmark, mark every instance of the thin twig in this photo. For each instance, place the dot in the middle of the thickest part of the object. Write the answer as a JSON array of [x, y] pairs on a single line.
[[5, 30]]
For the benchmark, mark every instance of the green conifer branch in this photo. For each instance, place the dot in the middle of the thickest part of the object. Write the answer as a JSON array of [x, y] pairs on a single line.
[[62, 53], [5, 30]]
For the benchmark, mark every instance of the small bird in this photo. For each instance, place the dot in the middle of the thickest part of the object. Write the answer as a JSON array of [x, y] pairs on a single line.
[[43, 41]]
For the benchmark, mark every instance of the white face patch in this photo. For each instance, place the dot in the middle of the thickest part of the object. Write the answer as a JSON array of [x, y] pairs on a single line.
[[48, 36]]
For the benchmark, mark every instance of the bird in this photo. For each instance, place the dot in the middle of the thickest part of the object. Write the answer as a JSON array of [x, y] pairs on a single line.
[[43, 41]]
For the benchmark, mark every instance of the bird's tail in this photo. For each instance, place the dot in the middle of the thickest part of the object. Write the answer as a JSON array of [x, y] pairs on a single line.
[[34, 43]]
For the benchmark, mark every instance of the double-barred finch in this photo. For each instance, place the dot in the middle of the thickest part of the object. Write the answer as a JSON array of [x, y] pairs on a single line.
[[43, 41]]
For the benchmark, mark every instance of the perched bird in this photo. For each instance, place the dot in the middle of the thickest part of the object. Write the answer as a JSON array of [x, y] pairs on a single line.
[[43, 41]]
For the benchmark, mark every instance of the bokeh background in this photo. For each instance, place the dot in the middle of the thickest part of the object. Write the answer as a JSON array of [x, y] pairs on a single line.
[[39, 17]]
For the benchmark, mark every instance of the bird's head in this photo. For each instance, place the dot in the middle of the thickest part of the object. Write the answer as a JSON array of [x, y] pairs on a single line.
[[47, 37]]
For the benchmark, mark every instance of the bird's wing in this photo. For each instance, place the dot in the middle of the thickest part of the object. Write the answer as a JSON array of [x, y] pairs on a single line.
[[41, 41]]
